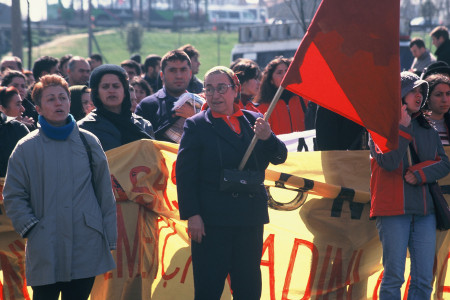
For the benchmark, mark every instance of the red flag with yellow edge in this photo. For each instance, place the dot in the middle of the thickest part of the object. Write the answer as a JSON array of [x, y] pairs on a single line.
[[348, 62]]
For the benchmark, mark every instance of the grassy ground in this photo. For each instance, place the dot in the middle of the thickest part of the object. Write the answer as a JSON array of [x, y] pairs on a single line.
[[112, 44]]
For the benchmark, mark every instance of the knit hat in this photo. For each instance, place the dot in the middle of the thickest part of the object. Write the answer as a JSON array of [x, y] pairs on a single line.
[[438, 67], [410, 81], [96, 77]]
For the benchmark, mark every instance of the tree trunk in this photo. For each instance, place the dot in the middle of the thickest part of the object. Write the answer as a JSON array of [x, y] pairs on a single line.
[[16, 29]]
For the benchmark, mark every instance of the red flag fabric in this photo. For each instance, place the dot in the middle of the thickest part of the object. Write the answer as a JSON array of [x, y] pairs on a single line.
[[348, 62]]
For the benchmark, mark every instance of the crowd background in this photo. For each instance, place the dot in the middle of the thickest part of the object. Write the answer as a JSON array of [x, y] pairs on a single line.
[[142, 98]]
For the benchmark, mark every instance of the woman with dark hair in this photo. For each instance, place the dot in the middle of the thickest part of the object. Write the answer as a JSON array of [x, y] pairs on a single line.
[[11, 103], [249, 75], [112, 121], [18, 80], [225, 226], [141, 88], [289, 113], [400, 199], [438, 104], [80, 101], [58, 195]]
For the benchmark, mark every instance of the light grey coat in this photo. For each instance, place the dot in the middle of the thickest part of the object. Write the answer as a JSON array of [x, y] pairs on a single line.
[[49, 197]]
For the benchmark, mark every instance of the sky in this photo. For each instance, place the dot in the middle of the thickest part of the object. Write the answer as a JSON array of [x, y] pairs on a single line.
[[38, 9]]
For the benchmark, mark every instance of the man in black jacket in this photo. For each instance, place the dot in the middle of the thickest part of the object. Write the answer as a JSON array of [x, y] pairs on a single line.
[[442, 43]]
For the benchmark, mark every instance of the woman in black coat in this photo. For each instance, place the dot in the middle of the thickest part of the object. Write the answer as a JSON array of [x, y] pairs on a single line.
[[226, 227], [112, 121]]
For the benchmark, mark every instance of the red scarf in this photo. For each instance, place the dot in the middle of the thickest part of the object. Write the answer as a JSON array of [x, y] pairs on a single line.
[[232, 121]]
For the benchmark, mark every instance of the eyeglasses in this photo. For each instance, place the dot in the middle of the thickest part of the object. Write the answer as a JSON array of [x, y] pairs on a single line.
[[221, 89]]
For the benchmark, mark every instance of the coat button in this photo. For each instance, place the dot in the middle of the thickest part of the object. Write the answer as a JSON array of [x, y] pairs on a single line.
[[234, 195]]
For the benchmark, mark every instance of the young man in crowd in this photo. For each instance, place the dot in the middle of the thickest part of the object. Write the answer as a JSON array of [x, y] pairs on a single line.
[[195, 85], [132, 68], [95, 60], [422, 56], [441, 41], [152, 69], [176, 74]]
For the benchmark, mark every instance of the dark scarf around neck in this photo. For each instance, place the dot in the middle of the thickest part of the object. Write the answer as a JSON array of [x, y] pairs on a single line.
[[129, 132]]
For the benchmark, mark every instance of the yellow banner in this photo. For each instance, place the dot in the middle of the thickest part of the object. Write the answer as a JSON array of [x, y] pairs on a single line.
[[320, 243]]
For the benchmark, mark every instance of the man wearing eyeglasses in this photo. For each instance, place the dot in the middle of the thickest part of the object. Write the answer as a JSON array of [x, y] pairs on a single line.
[[175, 73]]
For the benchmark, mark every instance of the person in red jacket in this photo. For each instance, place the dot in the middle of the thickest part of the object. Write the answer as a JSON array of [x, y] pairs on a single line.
[[400, 199], [289, 113], [249, 75]]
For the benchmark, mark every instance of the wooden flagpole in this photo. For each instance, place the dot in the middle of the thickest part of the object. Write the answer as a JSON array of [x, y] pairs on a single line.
[[266, 118]]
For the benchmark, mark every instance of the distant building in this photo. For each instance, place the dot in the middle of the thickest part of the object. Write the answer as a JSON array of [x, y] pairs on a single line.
[[5, 28], [5, 14]]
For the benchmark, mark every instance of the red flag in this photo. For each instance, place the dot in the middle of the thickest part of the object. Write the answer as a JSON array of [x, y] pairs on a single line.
[[348, 62]]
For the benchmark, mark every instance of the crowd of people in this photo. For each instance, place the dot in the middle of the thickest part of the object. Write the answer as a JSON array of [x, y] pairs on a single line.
[[58, 119]]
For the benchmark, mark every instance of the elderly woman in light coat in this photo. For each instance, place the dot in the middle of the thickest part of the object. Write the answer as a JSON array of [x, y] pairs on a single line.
[[61, 200]]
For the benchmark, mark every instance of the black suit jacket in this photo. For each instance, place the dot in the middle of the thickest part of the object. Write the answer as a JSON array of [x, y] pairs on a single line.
[[443, 52], [207, 146]]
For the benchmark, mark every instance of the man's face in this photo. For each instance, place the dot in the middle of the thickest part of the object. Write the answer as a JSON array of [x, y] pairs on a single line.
[[94, 63], [130, 71], [416, 51], [195, 63], [80, 74], [437, 41], [176, 76], [153, 72], [11, 65]]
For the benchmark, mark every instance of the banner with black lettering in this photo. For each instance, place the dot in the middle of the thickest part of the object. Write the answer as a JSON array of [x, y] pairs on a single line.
[[320, 243]]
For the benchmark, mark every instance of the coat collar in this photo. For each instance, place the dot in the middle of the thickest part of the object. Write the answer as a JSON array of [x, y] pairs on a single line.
[[225, 132]]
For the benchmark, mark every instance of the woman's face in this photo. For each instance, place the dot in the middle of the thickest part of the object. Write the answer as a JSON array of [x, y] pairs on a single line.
[[278, 74], [220, 103], [87, 103], [20, 84], [14, 108], [140, 92], [111, 92], [250, 87], [413, 100], [439, 99], [55, 105]]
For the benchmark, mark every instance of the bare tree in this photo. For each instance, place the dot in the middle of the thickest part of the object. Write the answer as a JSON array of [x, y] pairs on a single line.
[[303, 10]]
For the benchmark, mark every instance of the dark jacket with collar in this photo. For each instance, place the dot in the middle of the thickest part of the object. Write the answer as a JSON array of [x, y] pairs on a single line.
[[106, 132], [208, 145], [443, 52], [157, 109]]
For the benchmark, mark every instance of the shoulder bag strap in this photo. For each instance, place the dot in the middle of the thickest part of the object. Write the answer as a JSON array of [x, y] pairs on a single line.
[[91, 166]]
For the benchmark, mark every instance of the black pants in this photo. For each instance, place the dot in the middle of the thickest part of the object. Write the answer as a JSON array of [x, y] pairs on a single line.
[[78, 289], [228, 250]]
